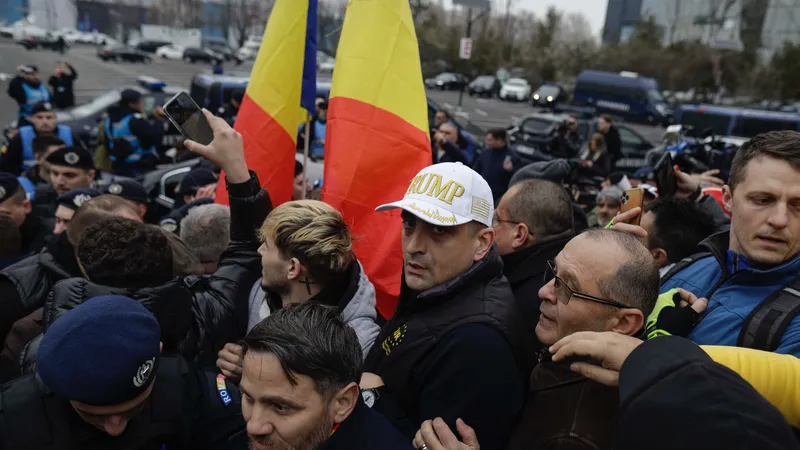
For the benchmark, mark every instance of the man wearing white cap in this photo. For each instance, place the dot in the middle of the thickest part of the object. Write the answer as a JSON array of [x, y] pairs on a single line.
[[456, 345]]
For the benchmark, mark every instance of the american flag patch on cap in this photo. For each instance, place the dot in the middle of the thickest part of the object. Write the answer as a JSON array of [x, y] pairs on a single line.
[[480, 208]]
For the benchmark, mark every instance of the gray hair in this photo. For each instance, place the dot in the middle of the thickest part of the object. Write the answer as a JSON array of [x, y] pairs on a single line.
[[636, 281], [206, 231], [611, 194]]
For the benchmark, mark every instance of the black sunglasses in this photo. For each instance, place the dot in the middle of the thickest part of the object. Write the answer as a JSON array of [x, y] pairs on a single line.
[[564, 293]]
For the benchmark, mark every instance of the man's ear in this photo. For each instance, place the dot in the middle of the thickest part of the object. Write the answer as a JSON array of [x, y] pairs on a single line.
[[521, 235], [661, 257], [484, 242], [294, 269], [629, 322], [727, 197], [92, 174], [344, 401], [28, 207]]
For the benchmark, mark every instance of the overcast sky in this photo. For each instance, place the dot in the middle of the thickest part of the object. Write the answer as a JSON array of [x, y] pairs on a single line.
[[594, 10]]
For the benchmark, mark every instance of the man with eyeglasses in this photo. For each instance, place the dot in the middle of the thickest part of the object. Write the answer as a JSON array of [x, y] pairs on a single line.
[[603, 280], [532, 223]]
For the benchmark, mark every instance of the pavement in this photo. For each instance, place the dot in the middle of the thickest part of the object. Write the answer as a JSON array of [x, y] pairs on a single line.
[[96, 77], [489, 113]]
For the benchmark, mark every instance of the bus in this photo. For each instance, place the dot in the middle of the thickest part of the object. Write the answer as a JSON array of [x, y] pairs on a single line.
[[625, 95], [734, 122]]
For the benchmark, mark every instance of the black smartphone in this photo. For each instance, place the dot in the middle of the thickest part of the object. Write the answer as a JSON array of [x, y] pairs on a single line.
[[187, 117], [665, 176]]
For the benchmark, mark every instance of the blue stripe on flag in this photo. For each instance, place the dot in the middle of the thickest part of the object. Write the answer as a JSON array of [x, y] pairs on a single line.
[[309, 94]]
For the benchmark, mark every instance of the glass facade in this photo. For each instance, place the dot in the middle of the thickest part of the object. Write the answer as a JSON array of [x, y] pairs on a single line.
[[763, 24]]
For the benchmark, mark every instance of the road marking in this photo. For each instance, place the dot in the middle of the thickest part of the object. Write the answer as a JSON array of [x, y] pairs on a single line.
[[448, 106], [514, 120], [481, 112], [462, 114], [482, 101], [5, 76]]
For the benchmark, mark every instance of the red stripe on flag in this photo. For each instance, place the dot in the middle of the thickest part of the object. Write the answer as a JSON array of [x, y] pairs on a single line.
[[268, 150], [370, 158]]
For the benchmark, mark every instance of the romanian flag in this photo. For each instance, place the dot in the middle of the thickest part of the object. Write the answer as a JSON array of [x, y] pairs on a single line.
[[377, 134], [282, 81]]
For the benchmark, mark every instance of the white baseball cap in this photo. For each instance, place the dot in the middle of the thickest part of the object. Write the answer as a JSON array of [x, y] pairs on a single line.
[[447, 194]]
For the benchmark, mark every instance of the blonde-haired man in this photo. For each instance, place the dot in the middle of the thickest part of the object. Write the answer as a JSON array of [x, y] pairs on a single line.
[[307, 255]]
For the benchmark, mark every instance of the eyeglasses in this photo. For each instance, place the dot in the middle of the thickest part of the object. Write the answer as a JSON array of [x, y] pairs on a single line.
[[496, 220], [564, 293]]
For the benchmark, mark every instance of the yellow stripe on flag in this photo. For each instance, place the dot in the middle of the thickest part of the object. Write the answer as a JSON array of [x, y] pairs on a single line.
[[277, 77], [368, 71]]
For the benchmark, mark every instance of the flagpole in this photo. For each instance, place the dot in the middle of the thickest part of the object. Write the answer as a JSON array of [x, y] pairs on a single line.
[[305, 153]]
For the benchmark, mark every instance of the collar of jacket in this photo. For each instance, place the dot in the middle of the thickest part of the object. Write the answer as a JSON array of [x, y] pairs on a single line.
[[718, 244], [481, 272], [519, 264], [63, 254], [338, 293]]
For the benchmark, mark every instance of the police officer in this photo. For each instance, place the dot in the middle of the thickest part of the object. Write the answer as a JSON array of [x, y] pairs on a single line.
[[69, 203], [131, 139], [317, 131], [130, 190], [230, 111], [19, 156], [27, 90], [14, 202], [103, 383], [70, 168]]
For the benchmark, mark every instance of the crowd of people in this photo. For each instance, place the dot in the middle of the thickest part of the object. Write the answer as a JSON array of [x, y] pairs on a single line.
[[523, 321]]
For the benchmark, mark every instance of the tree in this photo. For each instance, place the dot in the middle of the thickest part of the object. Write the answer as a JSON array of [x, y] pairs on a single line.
[[246, 15], [785, 66]]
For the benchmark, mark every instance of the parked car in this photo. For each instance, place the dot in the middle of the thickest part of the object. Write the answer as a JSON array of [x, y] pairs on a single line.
[[484, 86], [448, 81], [193, 55], [548, 95], [222, 49], [516, 89], [535, 131], [123, 53], [170, 52], [150, 46]]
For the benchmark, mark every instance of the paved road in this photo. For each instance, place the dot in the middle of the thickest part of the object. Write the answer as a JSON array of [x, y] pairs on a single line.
[[489, 113], [94, 76]]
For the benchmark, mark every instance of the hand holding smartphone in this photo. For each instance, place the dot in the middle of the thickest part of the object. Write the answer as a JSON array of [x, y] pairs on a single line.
[[188, 118], [633, 198]]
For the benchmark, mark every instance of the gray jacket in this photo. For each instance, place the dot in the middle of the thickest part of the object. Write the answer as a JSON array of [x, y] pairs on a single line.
[[357, 305]]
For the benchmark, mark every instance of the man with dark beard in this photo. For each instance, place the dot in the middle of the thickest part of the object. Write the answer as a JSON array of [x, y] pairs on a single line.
[[300, 389]]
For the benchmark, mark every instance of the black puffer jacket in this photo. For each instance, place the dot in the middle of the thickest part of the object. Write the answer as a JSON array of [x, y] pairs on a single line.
[[215, 306], [25, 285]]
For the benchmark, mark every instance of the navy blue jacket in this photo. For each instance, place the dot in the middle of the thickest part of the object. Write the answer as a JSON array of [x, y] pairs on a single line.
[[365, 429], [733, 289], [489, 164]]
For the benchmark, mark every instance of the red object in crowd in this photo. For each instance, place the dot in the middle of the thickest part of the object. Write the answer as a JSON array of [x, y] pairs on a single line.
[[716, 192]]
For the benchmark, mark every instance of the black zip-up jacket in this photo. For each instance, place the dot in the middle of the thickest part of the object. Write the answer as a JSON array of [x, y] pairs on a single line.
[[455, 350], [525, 270], [63, 94]]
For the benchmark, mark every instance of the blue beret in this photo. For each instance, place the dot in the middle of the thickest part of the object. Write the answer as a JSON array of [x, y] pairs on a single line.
[[196, 179], [71, 157], [9, 185], [128, 189], [76, 198], [103, 352]]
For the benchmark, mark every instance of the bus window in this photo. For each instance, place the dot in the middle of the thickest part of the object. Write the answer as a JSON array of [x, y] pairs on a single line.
[[748, 127], [199, 94], [699, 122]]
